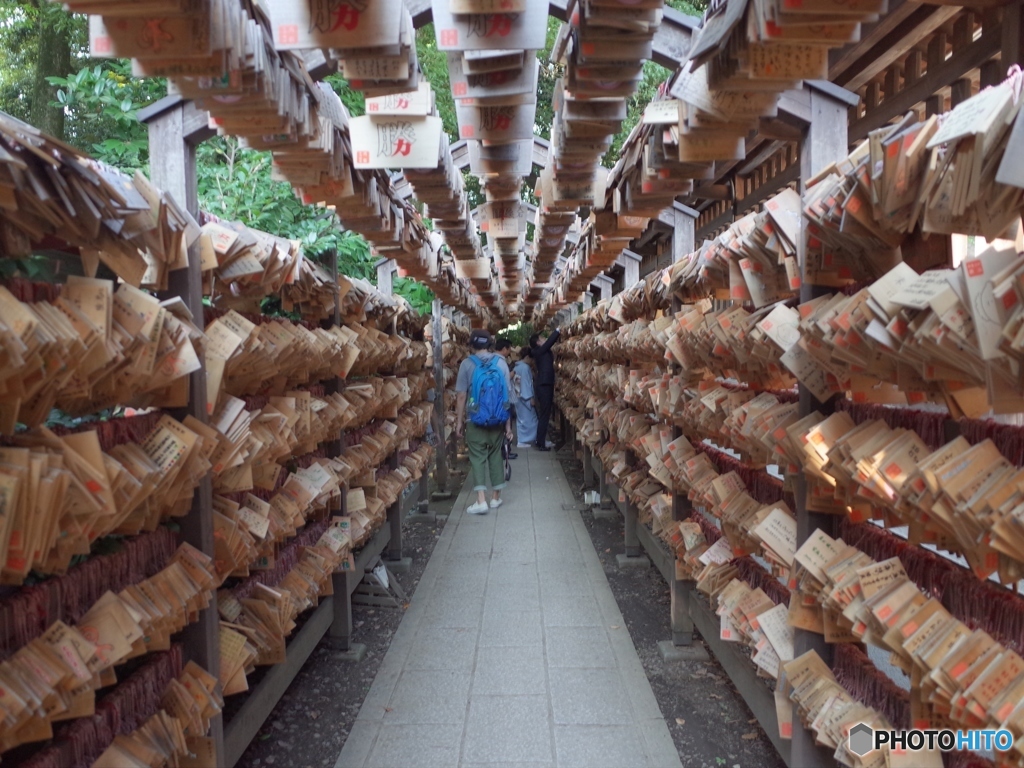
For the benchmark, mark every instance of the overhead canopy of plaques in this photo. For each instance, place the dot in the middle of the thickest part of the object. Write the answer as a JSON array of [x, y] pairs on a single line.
[[249, 72]]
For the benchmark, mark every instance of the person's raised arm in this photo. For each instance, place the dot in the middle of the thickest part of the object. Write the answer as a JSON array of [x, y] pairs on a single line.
[[550, 342]]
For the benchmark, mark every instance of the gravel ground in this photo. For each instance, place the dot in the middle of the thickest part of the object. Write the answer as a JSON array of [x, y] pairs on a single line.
[[308, 727], [707, 717]]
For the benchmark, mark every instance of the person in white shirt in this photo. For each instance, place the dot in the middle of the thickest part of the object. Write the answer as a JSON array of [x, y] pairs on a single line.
[[524, 399]]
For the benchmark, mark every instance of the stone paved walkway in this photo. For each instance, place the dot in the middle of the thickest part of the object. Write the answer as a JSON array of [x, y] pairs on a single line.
[[513, 651]]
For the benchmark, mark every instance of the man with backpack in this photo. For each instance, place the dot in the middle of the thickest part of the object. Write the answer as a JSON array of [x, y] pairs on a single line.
[[482, 415]]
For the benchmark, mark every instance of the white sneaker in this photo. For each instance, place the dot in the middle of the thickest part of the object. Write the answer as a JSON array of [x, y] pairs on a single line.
[[480, 508], [495, 503], [523, 445]]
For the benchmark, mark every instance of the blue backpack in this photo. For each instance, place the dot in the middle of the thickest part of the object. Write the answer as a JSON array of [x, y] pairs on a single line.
[[488, 394]]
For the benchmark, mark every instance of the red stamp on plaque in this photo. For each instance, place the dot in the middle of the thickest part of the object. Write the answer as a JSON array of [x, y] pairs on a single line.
[[288, 34], [459, 89], [362, 156], [467, 131], [975, 268], [449, 37], [102, 45]]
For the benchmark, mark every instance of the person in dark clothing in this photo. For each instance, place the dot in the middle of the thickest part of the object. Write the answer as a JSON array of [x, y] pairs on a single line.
[[544, 384]]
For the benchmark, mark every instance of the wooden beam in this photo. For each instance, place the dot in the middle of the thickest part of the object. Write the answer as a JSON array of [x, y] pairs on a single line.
[[757, 160], [246, 723], [1013, 35], [766, 190], [953, 68], [706, 230], [841, 59], [895, 45], [713, 191]]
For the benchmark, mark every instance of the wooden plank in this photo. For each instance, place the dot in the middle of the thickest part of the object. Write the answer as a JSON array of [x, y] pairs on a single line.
[[741, 671], [759, 158], [243, 727], [960, 63], [796, 104], [723, 219], [380, 602], [896, 44], [658, 553], [841, 59], [769, 188]]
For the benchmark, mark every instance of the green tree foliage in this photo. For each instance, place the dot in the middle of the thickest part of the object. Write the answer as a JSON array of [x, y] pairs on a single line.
[[434, 64], [48, 78], [235, 183], [548, 74], [517, 335], [101, 103], [689, 7], [37, 40], [653, 76]]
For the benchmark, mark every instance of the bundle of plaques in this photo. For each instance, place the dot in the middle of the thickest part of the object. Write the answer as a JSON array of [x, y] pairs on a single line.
[[443, 191], [492, 65], [603, 48], [505, 224], [379, 56], [649, 173]]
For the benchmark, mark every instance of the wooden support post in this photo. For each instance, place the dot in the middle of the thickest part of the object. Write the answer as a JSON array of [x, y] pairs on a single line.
[[393, 554], [441, 455], [960, 91], [1012, 26], [632, 546], [682, 589], [173, 169], [340, 633], [588, 467], [606, 500], [683, 231], [630, 262], [963, 30], [423, 505], [386, 269], [824, 142], [992, 72], [604, 285], [633, 551]]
